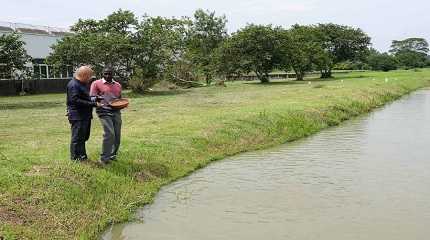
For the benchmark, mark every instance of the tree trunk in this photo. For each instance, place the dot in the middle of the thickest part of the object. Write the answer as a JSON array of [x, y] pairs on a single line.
[[326, 73], [263, 77], [299, 75], [208, 78]]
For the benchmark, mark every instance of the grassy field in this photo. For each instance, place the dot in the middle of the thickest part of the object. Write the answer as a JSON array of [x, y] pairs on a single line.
[[166, 135]]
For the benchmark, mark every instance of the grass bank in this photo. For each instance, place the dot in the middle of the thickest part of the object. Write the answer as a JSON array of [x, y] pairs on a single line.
[[165, 136]]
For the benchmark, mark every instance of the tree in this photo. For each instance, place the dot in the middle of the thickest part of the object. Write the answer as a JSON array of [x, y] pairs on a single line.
[[301, 50], [99, 43], [254, 48], [411, 59], [382, 61], [74, 50], [86, 26], [411, 52], [121, 21], [13, 55], [419, 45], [159, 43], [206, 33], [342, 43]]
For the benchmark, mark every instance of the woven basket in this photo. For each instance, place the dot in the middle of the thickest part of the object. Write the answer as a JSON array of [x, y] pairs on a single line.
[[119, 103]]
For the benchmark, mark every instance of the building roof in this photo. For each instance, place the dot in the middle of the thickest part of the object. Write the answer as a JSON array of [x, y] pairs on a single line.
[[38, 39]]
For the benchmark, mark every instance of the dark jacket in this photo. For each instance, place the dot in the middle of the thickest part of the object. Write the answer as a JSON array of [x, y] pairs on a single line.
[[79, 103]]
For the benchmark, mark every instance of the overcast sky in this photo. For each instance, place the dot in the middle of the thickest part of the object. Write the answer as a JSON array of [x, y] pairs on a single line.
[[383, 20]]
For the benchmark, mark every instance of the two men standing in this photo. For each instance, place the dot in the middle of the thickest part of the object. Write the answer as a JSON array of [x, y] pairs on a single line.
[[80, 104]]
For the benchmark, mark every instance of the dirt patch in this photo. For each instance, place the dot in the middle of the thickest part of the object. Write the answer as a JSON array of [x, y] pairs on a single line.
[[151, 171], [38, 170], [144, 176], [9, 215], [18, 211], [12, 212]]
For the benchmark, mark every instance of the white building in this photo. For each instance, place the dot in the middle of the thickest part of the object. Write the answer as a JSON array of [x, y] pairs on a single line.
[[38, 41]]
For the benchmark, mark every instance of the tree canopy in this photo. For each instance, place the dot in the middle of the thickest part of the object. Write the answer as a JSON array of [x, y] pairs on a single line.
[[411, 52], [13, 55], [187, 50], [254, 48], [159, 43], [418, 45], [342, 43], [382, 61], [205, 34], [301, 50], [99, 43]]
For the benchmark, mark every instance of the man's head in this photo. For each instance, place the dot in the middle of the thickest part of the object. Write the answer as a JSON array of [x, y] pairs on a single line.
[[108, 74], [84, 74]]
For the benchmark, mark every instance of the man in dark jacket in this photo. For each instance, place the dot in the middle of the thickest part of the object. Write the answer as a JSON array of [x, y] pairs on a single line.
[[79, 111]]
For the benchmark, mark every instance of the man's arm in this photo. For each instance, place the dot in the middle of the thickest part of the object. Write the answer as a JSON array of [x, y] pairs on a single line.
[[93, 90], [120, 91], [74, 96]]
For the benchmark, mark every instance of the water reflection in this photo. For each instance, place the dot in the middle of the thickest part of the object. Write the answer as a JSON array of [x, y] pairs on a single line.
[[367, 179]]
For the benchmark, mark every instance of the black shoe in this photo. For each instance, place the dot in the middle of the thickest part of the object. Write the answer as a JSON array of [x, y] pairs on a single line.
[[113, 158], [79, 159]]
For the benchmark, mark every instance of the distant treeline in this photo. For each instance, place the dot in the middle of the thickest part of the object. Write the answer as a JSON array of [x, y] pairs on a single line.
[[187, 50]]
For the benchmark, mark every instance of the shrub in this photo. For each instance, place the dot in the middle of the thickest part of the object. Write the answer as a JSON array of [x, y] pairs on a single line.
[[140, 83], [382, 62]]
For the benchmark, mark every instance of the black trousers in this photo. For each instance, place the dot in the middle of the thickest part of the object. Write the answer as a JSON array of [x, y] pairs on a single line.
[[80, 134]]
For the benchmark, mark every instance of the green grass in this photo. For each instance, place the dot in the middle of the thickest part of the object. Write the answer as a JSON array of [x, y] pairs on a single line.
[[166, 136]]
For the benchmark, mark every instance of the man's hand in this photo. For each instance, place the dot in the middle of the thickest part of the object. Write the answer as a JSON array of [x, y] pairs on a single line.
[[98, 104]]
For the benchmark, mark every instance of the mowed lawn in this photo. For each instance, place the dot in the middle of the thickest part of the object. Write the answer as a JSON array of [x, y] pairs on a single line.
[[166, 135]]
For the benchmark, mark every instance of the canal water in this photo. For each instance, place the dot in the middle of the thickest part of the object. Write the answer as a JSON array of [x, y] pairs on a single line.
[[366, 179]]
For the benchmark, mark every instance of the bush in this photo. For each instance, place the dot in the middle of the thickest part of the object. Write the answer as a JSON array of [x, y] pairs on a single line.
[[351, 65], [140, 83], [411, 59], [180, 74], [382, 62], [183, 74]]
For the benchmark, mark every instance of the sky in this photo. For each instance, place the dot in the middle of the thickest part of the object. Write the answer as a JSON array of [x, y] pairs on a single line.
[[383, 20]]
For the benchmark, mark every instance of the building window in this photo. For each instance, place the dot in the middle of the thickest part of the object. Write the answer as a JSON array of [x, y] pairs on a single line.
[[36, 71], [70, 71], [43, 71], [51, 72]]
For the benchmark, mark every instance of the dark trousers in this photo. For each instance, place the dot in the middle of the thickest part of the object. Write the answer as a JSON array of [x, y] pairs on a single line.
[[80, 134], [112, 135]]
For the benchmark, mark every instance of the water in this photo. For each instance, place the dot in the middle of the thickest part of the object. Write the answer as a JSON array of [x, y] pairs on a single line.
[[367, 179]]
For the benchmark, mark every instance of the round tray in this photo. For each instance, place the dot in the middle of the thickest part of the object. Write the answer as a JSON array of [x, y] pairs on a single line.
[[119, 103]]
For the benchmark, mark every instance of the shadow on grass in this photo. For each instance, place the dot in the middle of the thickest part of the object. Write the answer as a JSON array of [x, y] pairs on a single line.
[[294, 82], [155, 93], [30, 105], [352, 77]]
